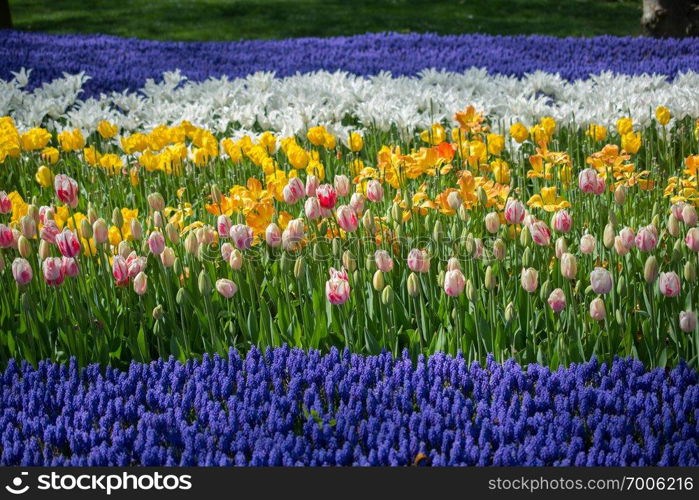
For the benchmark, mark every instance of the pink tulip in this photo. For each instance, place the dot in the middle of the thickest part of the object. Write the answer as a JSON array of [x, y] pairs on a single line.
[[52, 271], [342, 185], [357, 203], [156, 242], [677, 210], [492, 222], [337, 288], [69, 267], [597, 309], [541, 234], [22, 271], [226, 288], [242, 236], [168, 257], [326, 196], [68, 243], [529, 279], [7, 239], [347, 218], [562, 221], [293, 234], [514, 211], [273, 235], [587, 243], [619, 246], [669, 284], [100, 231], [223, 224], [311, 185], [569, 266], [5, 203], [454, 283], [120, 270], [628, 238], [557, 300], [590, 182], [383, 260], [601, 280], [140, 283], [66, 190], [226, 250], [135, 264], [418, 261], [236, 260], [312, 208], [44, 212], [647, 238], [478, 248], [692, 239], [293, 191], [374, 191], [49, 232], [689, 215], [688, 321]]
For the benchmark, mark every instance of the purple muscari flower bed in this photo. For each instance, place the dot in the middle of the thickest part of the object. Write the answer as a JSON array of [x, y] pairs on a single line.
[[116, 63], [290, 407]]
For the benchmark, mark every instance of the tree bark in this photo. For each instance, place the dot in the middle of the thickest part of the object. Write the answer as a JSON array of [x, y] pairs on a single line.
[[670, 18], [5, 16]]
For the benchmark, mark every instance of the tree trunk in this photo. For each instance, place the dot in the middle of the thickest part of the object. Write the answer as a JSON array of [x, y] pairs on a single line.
[[5, 16], [670, 18]]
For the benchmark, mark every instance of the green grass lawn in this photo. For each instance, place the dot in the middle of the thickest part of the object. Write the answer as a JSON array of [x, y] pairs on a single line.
[[233, 19]]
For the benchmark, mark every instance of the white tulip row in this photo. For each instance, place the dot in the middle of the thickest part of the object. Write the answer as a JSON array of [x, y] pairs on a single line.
[[293, 104]]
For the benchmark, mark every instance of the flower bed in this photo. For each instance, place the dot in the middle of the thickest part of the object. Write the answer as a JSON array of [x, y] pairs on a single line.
[[117, 63], [288, 407]]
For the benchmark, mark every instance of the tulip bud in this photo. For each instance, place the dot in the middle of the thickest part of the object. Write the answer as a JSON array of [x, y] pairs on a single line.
[[191, 244], [100, 231], [469, 244], [499, 249], [561, 247], [650, 269], [156, 202], [482, 196], [525, 237], [437, 232], [688, 321], [529, 279], [621, 285], [177, 266], [396, 213], [348, 261], [369, 262], [298, 267], [440, 278], [387, 295], [609, 236], [158, 219], [492, 222], [204, 283], [25, 249], [181, 296], [368, 222], [527, 257], [490, 281], [690, 273], [236, 259], [124, 248], [569, 266], [673, 226], [172, 234], [378, 281], [470, 291], [689, 215], [158, 312], [413, 285], [140, 283], [545, 290], [509, 312], [620, 195], [85, 229], [611, 217], [44, 249], [597, 309], [463, 213], [136, 229], [28, 226], [91, 213], [216, 196], [117, 218], [655, 222], [168, 257]]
